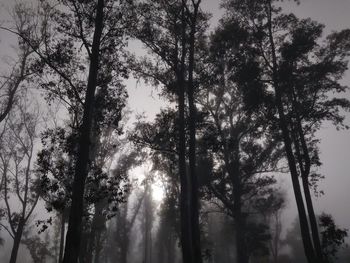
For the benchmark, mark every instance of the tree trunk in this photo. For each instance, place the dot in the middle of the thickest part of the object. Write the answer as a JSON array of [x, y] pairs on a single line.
[[76, 212], [304, 226], [305, 167], [124, 252], [239, 217], [98, 247], [170, 251], [185, 197], [16, 242], [312, 219], [63, 224], [197, 253], [90, 243], [84, 237], [305, 179], [241, 246]]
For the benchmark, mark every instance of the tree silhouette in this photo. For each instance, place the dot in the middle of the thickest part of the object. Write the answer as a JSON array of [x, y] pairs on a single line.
[[301, 100], [18, 140]]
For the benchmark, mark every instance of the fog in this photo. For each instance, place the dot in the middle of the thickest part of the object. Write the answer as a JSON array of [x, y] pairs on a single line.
[[233, 198]]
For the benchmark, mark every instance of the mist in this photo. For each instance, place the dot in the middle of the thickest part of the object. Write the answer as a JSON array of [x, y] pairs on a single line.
[[184, 131]]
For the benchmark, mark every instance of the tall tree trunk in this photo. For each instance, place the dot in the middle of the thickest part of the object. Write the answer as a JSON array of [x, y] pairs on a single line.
[[312, 219], [63, 224], [98, 247], [96, 227], [170, 249], [76, 212], [17, 242], [241, 244], [305, 173], [124, 252], [185, 197], [197, 253], [91, 243], [84, 237], [239, 217], [148, 213], [304, 226]]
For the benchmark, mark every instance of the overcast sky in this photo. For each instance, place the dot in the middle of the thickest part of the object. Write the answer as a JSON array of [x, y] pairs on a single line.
[[335, 145]]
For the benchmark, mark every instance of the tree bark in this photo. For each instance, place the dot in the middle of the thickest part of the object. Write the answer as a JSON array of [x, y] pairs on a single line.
[[81, 170], [16, 242], [197, 253]]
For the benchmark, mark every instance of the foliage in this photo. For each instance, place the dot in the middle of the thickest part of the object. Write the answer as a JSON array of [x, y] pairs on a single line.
[[333, 238]]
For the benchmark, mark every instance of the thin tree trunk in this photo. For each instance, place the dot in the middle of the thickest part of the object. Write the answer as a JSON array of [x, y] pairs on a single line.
[[312, 219], [305, 179], [304, 226], [92, 239], [63, 229], [90, 243], [15, 85], [76, 213], [124, 252], [98, 247], [16, 242]]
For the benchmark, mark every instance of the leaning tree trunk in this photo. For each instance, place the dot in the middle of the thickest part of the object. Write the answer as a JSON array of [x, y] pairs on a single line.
[[16, 242], [76, 212], [305, 180], [312, 219], [304, 226]]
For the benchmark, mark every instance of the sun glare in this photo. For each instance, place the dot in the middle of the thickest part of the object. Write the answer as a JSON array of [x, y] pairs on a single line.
[[157, 192]]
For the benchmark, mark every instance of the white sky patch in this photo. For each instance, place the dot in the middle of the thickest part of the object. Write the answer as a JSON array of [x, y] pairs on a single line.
[[140, 173], [157, 191]]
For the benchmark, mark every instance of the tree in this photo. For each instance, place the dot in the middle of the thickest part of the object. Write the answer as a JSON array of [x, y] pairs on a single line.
[[332, 237], [124, 225], [38, 249], [237, 148], [147, 218], [300, 91], [271, 209], [173, 40], [20, 182], [294, 241], [11, 83], [56, 54]]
